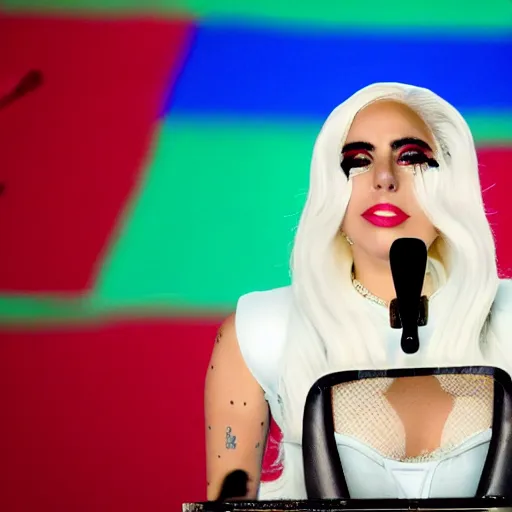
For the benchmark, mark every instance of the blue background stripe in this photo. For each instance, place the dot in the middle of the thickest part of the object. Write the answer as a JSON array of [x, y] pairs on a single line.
[[263, 72]]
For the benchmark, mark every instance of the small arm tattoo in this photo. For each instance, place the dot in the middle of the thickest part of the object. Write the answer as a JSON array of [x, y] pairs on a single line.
[[230, 439]]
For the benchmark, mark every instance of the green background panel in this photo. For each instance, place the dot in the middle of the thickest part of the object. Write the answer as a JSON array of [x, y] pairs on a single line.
[[174, 256], [491, 129], [44, 310], [248, 181], [33, 308], [215, 217], [217, 212], [425, 13]]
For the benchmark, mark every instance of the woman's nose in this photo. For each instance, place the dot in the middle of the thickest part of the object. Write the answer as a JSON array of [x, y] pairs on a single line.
[[385, 178]]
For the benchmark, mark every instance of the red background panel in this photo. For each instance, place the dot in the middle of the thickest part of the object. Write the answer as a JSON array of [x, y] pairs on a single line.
[[103, 417], [73, 150], [496, 179]]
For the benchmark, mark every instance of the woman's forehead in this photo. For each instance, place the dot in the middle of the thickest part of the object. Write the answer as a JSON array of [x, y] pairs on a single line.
[[388, 119]]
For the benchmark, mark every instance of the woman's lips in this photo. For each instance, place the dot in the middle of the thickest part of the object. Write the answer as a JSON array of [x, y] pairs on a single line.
[[385, 215]]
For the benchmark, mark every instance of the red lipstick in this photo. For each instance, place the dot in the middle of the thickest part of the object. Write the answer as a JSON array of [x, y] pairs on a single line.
[[385, 215]]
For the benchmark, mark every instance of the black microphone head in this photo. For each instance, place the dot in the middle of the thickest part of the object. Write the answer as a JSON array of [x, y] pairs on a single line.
[[235, 485], [408, 260]]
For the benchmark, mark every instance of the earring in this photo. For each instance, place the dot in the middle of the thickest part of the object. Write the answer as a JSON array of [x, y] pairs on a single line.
[[348, 239]]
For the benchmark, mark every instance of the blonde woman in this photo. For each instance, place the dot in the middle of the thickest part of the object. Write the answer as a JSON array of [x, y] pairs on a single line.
[[392, 161]]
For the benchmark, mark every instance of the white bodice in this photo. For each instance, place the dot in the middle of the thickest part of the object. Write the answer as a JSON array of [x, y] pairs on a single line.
[[261, 325]]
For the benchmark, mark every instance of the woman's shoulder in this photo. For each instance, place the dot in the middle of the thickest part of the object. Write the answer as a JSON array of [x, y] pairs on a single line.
[[261, 323], [262, 317], [267, 303]]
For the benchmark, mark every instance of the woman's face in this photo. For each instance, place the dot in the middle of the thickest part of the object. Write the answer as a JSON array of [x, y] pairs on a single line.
[[386, 144]]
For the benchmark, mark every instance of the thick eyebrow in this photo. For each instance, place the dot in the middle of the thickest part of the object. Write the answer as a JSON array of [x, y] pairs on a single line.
[[397, 144], [352, 146]]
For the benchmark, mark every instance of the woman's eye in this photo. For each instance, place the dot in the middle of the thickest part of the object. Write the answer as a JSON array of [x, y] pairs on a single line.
[[352, 162], [413, 158]]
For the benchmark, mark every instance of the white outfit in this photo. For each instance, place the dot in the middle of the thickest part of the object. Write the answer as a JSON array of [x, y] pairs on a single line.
[[261, 324]]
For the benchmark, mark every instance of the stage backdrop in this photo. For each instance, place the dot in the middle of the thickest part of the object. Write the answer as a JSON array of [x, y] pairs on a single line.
[[156, 176]]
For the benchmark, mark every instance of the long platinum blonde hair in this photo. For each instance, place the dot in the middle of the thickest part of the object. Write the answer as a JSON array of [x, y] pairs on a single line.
[[327, 329]]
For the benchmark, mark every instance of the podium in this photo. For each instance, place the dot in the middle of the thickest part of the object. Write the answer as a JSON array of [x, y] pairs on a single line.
[[438, 505], [324, 472]]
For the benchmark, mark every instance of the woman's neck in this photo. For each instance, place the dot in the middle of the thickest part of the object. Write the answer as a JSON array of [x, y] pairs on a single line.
[[377, 278]]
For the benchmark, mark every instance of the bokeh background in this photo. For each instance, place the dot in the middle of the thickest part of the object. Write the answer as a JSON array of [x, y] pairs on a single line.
[[156, 176]]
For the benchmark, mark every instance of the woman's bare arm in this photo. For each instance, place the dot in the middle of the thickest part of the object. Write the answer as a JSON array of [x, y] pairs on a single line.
[[236, 415]]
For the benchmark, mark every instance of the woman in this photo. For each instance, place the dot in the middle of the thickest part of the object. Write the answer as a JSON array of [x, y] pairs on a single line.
[[392, 161]]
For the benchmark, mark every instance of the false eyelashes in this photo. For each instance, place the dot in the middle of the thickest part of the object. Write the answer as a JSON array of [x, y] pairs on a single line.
[[353, 170], [409, 161], [355, 162]]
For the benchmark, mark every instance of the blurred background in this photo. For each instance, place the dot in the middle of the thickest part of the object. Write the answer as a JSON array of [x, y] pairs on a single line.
[[158, 174]]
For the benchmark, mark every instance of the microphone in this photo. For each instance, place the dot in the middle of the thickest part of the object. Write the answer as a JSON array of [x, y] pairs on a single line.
[[408, 259], [28, 83], [235, 486]]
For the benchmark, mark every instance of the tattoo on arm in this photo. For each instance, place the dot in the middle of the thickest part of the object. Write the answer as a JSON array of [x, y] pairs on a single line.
[[230, 439]]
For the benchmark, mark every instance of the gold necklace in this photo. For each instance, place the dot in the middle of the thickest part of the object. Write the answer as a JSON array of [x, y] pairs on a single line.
[[367, 294], [362, 290]]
